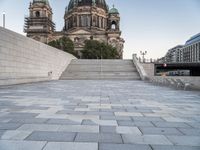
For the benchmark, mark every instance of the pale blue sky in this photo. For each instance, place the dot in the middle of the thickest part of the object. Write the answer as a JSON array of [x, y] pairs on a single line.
[[151, 25]]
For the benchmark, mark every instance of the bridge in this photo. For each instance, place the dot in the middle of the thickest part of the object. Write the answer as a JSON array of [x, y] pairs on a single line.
[[96, 104]]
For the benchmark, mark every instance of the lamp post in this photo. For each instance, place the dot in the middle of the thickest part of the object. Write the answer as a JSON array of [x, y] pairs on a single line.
[[143, 54], [4, 19]]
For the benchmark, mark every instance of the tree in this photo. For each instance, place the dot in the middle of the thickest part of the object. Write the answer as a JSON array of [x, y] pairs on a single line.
[[96, 50], [65, 44]]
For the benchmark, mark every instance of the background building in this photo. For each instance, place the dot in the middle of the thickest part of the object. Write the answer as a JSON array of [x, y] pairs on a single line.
[[173, 55], [190, 52], [83, 20]]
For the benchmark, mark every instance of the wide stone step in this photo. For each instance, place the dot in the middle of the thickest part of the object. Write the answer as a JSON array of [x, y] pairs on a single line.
[[101, 73], [98, 62], [81, 68], [100, 78]]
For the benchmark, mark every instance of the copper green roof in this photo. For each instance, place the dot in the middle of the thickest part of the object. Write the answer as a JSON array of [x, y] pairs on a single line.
[[98, 3], [41, 1], [113, 11]]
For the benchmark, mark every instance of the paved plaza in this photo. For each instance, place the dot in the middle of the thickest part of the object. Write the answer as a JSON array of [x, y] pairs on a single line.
[[98, 115]]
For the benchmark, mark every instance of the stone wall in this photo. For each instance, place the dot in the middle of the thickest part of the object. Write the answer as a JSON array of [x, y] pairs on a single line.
[[149, 68], [23, 60]]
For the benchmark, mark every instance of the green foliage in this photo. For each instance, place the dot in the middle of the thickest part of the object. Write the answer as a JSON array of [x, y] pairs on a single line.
[[65, 44], [96, 50]]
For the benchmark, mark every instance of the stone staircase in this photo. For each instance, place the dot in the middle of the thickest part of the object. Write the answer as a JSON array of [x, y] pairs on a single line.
[[84, 69]]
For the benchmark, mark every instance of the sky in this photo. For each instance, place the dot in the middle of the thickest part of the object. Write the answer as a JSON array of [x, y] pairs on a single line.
[[147, 25]]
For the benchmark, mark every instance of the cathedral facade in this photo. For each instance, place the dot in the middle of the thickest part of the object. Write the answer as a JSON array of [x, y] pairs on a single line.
[[83, 20]]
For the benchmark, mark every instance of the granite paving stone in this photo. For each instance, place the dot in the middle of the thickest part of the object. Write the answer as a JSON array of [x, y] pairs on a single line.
[[70, 146], [185, 131], [160, 131], [9, 126], [39, 127], [28, 121], [89, 122], [164, 147], [148, 119], [21, 145], [146, 139], [185, 140], [51, 136], [171, 124], [15, 135], [79, 128], [63, 122], [2, 132], [123, 147], [100, 138]]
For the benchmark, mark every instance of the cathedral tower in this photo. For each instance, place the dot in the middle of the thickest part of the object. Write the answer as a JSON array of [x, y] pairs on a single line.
[[39, 25], [114, 33]]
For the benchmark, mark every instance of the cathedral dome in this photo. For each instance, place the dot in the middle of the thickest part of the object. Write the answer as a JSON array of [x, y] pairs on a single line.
[[98, 3], [41, 1]]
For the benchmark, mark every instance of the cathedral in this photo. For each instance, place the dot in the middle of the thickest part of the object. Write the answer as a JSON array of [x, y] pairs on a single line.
[[83, 20]]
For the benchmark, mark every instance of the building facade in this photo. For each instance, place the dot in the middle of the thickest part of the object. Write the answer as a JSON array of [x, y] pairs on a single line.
[[174, 55], [83, 20], [189, 53]]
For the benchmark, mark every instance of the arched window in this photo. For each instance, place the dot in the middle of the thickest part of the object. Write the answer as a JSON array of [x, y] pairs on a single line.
[[113, 25], [76, 39], [37, 14]]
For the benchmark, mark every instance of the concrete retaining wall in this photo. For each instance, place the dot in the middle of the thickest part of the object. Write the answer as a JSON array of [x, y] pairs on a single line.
[[149, 68], [23, 60]]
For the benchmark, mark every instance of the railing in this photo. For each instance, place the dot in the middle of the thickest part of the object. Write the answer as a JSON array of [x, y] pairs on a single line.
[[147, 60]]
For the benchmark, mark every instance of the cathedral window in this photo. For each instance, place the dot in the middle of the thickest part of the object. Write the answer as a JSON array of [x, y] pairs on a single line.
[[102, 23], [113, 25], [37, 14], [88, 21], [80, 21], [97, 21], [84, 21], [76, 39]]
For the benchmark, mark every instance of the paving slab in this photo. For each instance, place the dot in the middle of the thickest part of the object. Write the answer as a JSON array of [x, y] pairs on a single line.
[[123, 147], [185, 131], [51, 136], [160, 131], [185, 140], [100, 138], [164, 147], [70, 146], [15, 135], [146, 139], [21, 145], [63, 122], [9, 126]]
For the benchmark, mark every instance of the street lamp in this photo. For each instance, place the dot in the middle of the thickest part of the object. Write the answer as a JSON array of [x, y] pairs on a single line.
[[4, 19], [143, 54]]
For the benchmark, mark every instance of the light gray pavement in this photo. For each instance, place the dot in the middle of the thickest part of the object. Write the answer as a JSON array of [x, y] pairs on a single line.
[[98, 115]]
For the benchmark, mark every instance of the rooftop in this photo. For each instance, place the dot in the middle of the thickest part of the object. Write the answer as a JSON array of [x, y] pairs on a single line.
[[193, 39]]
